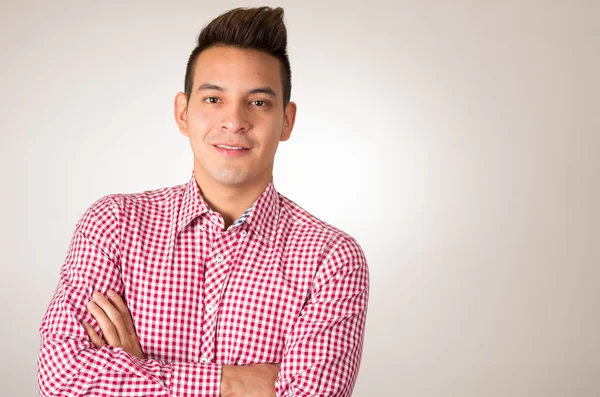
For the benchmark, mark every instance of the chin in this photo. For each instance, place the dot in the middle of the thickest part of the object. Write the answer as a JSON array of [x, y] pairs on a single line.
[[230, 177]]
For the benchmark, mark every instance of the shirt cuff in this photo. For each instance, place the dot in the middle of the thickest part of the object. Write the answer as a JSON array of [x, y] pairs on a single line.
[[194, 379]]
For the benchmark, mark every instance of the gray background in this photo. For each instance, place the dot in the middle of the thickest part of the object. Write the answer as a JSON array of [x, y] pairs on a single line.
[[458, 142]]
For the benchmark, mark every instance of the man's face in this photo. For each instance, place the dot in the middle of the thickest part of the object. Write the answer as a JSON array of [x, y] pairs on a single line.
[[236, 100]]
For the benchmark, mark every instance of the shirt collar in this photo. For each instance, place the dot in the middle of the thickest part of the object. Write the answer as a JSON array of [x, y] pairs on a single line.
[[262, 219]]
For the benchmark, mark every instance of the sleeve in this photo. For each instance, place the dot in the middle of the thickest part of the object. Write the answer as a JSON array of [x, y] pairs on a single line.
[[323, 352], [68, 363]]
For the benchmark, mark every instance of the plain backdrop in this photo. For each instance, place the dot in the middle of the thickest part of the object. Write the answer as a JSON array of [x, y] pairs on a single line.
[[457, 141]]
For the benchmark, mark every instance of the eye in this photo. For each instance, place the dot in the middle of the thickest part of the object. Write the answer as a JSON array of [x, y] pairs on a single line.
[[211, 99], [260, 103]]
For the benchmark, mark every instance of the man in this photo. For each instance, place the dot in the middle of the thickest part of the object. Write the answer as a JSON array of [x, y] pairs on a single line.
[[221, 286]]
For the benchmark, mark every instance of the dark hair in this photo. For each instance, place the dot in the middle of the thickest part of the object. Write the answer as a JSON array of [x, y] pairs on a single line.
[[249, 28]]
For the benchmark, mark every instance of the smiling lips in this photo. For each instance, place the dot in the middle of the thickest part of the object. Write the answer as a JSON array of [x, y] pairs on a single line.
[[232, 147], [231, 151]]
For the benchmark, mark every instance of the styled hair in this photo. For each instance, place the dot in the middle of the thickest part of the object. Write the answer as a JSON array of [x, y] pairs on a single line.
[[259, 28]]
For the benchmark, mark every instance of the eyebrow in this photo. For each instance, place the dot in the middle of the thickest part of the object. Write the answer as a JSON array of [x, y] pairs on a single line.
[[258, 90]]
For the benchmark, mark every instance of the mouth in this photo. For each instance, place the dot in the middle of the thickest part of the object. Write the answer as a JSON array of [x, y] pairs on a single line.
[[231, 151]]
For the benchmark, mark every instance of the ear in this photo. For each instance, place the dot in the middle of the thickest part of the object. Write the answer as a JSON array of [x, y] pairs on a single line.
[[289, 120], [180, 112]]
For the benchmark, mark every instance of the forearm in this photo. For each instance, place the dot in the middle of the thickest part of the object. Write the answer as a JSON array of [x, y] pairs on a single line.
[[74, 368], [71, 367], [249, 380]]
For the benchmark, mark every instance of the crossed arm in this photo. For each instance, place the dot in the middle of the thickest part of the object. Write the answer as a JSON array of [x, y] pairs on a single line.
[[117, 327], [320, 357]]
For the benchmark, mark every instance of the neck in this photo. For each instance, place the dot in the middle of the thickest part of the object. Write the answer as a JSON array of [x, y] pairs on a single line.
[[231, 201]]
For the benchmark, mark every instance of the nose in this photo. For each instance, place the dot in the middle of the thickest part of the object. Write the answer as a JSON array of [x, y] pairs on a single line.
[[235, 119]]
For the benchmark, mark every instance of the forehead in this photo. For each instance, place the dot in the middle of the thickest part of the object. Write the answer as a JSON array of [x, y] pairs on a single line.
[[237, 68]]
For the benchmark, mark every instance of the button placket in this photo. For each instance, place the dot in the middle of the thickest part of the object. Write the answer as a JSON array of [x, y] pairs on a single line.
[[217, 275], [201, 235], [210, 308], [207, 269]]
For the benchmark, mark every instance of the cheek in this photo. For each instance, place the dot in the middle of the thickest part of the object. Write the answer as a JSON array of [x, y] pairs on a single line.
[[274, 128], [199, 123], [199, 127], [270, 145]]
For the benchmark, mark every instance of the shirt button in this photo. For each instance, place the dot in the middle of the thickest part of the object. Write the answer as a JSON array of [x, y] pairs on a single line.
[[219, 258], [243, 233], [203, 227], [203, 360], [210, 308]]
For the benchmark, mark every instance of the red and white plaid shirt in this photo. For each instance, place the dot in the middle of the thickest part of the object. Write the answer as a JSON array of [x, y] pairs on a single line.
[[278, 286]]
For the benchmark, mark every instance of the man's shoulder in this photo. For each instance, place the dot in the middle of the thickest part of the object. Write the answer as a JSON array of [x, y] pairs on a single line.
[[117, 206], [313, 230], [159, 197]]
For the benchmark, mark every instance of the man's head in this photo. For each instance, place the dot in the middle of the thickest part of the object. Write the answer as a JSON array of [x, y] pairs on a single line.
[[237, 91], [260, 29]]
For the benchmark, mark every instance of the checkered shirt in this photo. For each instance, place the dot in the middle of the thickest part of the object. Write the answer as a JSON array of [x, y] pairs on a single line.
[[278, 286]]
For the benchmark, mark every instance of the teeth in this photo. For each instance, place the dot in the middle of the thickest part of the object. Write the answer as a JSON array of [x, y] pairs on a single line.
[[230, 147]]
